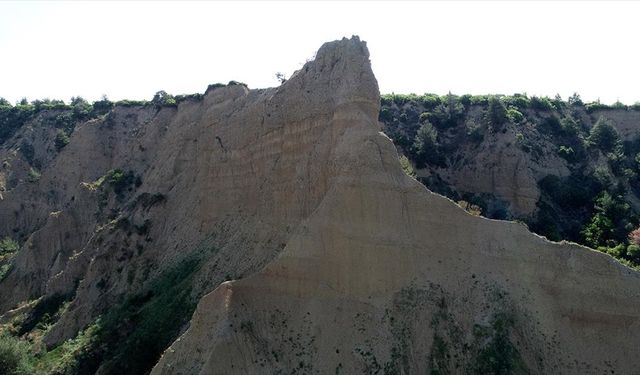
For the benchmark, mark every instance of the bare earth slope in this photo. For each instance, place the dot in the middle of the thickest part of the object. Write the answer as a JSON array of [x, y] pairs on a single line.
[[384, 276], [222, 180]]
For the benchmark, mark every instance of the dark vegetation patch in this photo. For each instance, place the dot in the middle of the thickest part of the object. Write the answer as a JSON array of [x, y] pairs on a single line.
[[8, 249], [130, 337], [592, 206], [488, 350]]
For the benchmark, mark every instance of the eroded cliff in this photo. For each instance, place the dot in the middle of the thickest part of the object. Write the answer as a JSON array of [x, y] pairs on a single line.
[[320, 254], [385, 276]]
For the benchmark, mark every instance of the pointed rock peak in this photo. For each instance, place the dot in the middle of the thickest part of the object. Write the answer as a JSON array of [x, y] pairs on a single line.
[[345, 48], [342, 70]]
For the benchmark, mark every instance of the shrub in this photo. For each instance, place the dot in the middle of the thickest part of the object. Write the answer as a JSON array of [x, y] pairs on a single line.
[[4, 270], [603, 135], [81, 108], [132, 103], [132, 335], [34, 175], [183, 98], [634, 236], [475, 132], [519, 101], [570, 126], [119, 180], [448, 113], [619, 105], [13, 118], [62, 139], [46, 311], [597, 106], [558, 103], [425, 145], [541, 103], [162, 99], [471, 208], [8, 246], [567, 153], [407, 167], [496, 114], [514, 115], [550, 125], [598, 230], [575, 100], [429, 101], [633, 253], [102, 106], [14, 356], [479, 99]]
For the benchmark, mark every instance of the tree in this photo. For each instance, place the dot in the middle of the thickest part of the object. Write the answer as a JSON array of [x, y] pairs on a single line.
[[425, 145], [575, 99], [598, 230], [634, 236], [406, 166], [103, 105], [81, 107], [8, 246], [281, 77], [448, 113], [604, 136], [496, 114], [14, 356], [162, 98]]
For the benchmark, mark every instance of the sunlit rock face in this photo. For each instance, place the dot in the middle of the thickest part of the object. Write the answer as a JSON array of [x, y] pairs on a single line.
[[286, 214], [381, 275]]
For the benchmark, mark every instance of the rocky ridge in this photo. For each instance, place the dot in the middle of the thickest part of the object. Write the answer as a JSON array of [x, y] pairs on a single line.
[[385, 276], [334, 259]]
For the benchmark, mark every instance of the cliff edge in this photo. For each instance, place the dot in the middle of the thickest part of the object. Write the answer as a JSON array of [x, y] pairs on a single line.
[[385, 276]]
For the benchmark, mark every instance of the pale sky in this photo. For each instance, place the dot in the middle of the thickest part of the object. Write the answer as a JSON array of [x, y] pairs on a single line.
[[131, 50]]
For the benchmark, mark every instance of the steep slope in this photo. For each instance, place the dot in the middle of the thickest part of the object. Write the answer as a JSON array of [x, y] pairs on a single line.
[[149, 207], [385, 276], [560, 166]]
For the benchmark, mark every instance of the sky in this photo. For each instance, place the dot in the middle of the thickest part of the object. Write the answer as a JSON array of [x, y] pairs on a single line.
[[131, 50]]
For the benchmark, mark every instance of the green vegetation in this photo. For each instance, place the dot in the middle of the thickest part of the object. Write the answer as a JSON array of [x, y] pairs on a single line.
[[128, 338], [591, 206], [64, 359], [496, 114], [122, 181], [46, 311], [8, 246], [8, 249], [162, 99], [66, 116], [407, 167], [15, 356], [498, 355], [604, 136], [425, 145], [62, 139], [34, 175]]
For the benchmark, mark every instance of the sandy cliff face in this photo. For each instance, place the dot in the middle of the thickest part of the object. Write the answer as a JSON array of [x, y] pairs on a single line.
[[224, 180], [342, 263], [384, 276]]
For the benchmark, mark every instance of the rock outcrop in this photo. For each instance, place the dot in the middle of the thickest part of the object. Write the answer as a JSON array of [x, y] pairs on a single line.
[[285, 212], [384, 276]]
